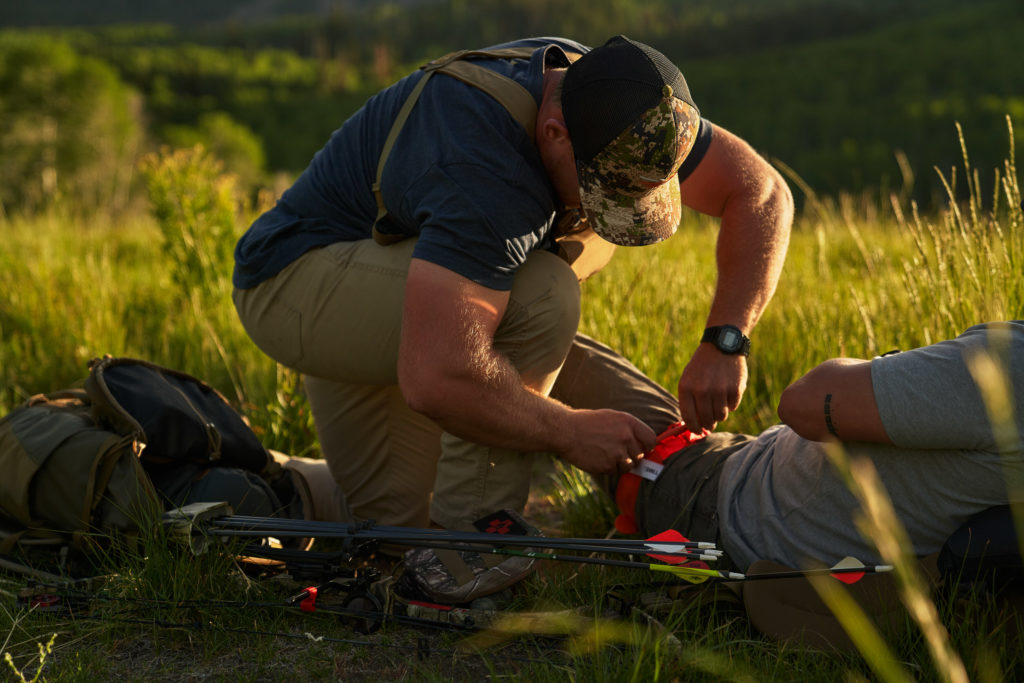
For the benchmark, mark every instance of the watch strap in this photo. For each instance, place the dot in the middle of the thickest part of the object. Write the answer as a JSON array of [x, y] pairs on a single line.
[[713, 335]]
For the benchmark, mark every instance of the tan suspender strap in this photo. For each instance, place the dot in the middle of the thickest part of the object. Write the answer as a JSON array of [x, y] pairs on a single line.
[[389, 142], [511, 95]]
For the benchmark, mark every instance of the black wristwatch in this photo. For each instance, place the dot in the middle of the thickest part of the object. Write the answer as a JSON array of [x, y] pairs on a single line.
[[728, 339]]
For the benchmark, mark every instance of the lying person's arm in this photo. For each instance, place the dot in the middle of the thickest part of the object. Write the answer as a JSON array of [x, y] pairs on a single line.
[[923, 398], [835, 400]]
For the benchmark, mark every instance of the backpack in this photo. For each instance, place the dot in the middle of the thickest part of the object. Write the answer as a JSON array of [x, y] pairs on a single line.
[[196, 447], [175, 416], [137, 439], [65, 477]]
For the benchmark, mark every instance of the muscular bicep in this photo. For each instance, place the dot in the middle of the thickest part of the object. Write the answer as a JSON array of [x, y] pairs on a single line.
[[448, 326], [835, 400], [731, 171]]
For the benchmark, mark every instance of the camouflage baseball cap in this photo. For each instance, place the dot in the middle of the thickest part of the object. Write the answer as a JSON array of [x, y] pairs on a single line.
[[632, 123]]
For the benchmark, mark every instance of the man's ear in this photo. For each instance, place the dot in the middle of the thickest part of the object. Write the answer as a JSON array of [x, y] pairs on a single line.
[[552, 129]]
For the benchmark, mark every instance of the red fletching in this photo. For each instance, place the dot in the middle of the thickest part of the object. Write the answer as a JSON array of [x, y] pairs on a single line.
[[848, 577], [673, 536]]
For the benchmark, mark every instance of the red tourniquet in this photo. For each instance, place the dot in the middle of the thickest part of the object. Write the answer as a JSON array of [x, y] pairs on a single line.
[[628, 487]]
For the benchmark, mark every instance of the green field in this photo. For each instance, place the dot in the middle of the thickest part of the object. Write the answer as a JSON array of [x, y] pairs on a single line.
[[860, 279], [139, 142]]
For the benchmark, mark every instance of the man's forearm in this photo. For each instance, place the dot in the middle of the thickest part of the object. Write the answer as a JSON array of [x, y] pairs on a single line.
[[450, 371], [490, 406], [751, 249], [486, 403]]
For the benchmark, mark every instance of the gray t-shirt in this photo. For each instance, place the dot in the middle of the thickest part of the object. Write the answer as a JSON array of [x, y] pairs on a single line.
[[781, 499]]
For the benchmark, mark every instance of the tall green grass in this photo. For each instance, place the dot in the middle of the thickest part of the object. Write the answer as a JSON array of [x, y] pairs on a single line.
[[861, 278], [155, 286]]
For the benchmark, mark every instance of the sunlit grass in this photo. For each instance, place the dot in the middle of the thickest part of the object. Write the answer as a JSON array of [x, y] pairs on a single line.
[[861, 278]]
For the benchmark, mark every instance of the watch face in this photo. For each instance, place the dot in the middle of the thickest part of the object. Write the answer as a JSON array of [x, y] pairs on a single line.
[[730, 339]]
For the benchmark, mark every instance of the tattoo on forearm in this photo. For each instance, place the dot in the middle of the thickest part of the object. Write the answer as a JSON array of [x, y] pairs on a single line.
[[828, 416]]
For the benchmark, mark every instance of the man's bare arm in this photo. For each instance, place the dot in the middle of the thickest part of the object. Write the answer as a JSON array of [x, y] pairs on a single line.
[[756, 209], [835, 400], [449, 370]]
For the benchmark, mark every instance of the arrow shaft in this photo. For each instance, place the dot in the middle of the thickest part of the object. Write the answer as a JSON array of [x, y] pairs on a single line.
[[581, 559], [255, 527], [798, 573], [497, 545], [535, 554], [494, 543]]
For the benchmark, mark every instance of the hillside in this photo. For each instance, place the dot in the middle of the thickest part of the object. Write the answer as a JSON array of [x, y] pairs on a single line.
[[853, 95]]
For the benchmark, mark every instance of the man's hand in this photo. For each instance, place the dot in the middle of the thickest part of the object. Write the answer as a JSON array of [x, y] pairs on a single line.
[[607, 441], [711, 387]]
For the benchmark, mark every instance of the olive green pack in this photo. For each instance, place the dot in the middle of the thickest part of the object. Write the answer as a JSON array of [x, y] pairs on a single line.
[[99, 461], [64, 477]]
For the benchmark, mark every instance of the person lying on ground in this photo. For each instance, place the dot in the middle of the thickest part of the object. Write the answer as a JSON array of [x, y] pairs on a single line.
[[919, 416]]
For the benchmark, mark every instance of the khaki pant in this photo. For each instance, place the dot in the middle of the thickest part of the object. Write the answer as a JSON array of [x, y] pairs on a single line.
[[335, 315]]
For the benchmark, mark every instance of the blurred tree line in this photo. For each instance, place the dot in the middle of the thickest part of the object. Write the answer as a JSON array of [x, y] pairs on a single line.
[[853, 95]]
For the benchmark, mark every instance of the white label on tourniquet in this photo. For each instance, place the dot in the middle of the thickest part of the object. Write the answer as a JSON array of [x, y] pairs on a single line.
[[648, 470]]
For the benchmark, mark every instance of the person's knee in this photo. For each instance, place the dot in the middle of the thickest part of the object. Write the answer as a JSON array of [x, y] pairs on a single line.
[[545, 302], [563, 315]]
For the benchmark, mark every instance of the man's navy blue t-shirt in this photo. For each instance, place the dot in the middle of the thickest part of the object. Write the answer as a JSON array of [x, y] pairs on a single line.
[[463, 176]]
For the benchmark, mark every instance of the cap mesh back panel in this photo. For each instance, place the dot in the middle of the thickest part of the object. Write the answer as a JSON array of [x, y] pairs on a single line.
[[609, 88], [607, 108], [670, 74]]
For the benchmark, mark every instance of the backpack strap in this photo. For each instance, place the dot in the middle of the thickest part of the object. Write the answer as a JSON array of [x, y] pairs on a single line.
[[510, 94]]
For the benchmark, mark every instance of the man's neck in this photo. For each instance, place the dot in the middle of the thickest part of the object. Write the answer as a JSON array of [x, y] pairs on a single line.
[[552, 79]]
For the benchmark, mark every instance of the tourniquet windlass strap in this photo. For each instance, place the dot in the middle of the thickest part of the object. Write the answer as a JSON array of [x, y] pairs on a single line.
[[628, 487]]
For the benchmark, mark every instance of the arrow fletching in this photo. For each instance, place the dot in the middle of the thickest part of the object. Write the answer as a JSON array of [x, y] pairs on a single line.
[[850, 570], [695, 572], [670, 552]]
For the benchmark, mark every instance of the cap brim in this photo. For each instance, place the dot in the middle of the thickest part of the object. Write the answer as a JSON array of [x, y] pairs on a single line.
[[630, 189], [627, 219]]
